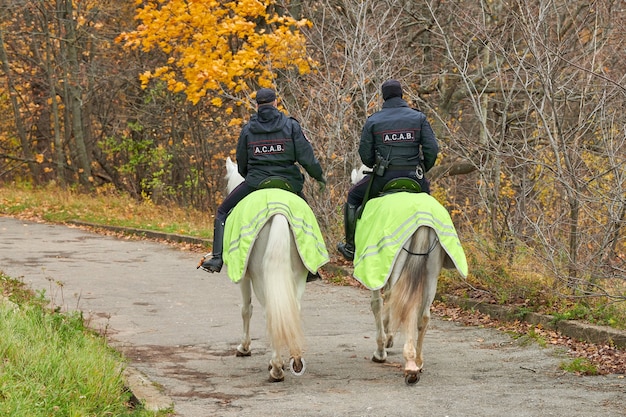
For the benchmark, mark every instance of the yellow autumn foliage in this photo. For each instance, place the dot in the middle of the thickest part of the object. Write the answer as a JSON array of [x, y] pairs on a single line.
[[218, 48]]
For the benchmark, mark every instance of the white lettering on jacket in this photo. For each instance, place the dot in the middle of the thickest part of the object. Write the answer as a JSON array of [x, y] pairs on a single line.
[[268, 148], [399, 136]]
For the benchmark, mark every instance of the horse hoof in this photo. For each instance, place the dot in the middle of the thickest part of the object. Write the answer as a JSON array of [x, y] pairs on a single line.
[[272, 379], [297, 367], [241, 354], [379, 360], [411, 378], [278, 374]]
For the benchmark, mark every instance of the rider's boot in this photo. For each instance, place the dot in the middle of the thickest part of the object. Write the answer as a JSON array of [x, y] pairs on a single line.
[[349, 223], [313, 276], [215, 263]]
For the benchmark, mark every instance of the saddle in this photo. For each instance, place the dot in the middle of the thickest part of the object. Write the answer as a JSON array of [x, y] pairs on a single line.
[[276, 182], [399, 184]]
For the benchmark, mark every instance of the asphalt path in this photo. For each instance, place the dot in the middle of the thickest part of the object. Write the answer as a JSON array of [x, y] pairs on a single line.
[[178, 327]]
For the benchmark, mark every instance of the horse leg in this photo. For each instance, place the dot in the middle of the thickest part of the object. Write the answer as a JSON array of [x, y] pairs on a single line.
[[297, 365], [376, 302], [246, 314], [421, 332], [435, 262], [411, 367], [430, 289], [386, 320]]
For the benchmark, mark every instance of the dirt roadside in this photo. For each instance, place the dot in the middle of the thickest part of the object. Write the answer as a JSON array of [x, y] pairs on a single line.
[[178, 327]]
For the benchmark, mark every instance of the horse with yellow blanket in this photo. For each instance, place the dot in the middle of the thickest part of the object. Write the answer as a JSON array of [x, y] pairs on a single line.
[[272, 241], [403, 240]]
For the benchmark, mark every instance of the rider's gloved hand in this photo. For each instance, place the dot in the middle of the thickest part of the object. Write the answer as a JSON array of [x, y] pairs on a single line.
[[322, 184]]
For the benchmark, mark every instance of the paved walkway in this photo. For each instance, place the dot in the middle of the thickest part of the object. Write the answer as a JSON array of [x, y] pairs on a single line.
[[179, 326]]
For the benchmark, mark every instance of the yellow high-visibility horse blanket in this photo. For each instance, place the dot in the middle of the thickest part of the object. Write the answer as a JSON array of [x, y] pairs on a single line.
[[252, 213], [388, 222]]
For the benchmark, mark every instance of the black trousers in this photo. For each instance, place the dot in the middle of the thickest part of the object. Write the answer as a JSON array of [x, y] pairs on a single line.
[[235, 196]]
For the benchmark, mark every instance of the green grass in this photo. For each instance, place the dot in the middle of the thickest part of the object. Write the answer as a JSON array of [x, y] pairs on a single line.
[[52, 365], [579, 366]]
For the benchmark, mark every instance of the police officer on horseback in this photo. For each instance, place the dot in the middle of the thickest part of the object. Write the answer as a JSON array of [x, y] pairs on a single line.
[[269, 145], [396, 141]]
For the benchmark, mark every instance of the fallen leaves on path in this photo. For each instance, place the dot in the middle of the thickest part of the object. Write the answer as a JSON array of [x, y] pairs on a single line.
[[606, 359]]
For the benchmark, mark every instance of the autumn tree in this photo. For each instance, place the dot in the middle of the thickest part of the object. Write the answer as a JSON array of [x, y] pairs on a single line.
[[216, 54], [13, 90], [58, 65], [543, 90], [218, 50]]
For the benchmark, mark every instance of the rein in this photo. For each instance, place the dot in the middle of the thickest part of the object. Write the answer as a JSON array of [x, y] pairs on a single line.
[[432, 248]]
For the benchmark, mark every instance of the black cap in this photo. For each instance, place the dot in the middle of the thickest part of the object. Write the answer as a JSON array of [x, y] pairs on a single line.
[[265, 95], [391, 88]]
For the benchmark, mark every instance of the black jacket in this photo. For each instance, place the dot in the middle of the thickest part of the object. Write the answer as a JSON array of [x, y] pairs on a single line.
[[270, 144], [398, 133]]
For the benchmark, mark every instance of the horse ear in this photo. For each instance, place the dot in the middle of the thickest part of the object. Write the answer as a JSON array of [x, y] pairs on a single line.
[[230, 166], [357, 175]]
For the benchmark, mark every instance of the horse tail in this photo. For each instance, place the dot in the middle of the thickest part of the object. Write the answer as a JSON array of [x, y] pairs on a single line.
[[282, 308], [407, 295]]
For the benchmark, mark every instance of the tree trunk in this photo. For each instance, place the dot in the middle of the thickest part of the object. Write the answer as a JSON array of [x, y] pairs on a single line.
[[19, 123], [59, 155], [72, 69]]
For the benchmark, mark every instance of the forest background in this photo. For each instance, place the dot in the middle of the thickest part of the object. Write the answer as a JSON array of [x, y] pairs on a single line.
[[527, 99]]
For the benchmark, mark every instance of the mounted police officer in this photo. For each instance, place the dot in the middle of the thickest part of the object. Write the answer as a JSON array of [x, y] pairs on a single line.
[[398, 142], [269, 145]]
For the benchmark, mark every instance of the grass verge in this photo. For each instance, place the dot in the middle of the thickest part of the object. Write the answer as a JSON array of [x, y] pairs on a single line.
[[52, 365], [105, 206]]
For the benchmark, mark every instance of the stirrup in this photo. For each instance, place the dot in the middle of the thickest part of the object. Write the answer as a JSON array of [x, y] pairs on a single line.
[[212, 265], [347, 250]]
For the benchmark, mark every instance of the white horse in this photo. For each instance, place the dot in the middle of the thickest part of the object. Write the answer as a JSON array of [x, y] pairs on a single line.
[[408, 295], [278, 276]]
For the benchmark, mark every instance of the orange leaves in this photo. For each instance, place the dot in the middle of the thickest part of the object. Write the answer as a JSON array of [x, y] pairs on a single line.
[[236, 121], [218, 48]]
